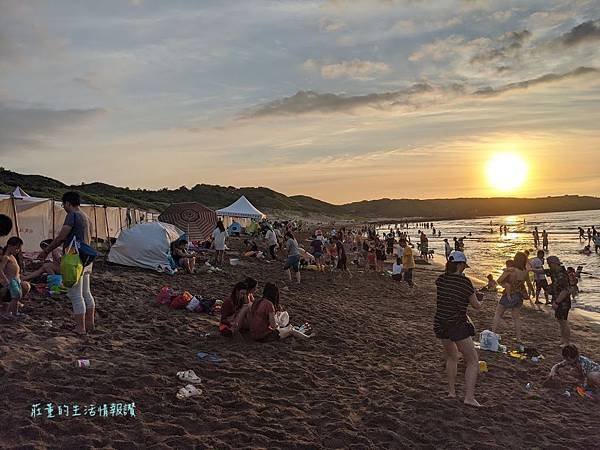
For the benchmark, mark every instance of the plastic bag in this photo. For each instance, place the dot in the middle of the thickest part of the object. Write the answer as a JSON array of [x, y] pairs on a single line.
[[71, 269], [488, 340]]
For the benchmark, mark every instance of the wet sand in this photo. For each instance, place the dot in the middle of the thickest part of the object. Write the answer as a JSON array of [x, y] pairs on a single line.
[[371, 377]]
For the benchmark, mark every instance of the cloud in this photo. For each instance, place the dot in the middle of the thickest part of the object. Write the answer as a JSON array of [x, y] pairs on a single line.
[[510, 44], [544, 79], [309, 101], [585, 32], [356, 69], [416, 96], [26, 128], [328, 25]]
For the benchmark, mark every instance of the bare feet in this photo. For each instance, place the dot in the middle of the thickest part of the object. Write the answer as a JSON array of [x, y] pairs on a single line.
[[451, 395], [472, 402]]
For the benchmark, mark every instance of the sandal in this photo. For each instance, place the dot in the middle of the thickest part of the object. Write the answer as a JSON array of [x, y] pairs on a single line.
[[189, 391], [189, 376]]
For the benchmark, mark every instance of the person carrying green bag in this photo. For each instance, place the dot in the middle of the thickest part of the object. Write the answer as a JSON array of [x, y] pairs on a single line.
[[76, 230]]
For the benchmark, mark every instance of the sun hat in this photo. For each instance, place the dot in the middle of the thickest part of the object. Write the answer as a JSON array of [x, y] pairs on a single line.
[[458, 257]]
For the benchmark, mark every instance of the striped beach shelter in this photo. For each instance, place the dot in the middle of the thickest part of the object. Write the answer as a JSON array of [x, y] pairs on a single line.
[[195, 219]]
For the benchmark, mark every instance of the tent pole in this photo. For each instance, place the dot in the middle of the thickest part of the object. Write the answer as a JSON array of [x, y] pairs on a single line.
[[14, 208], [107, 227], [53, 221], [95, 223]]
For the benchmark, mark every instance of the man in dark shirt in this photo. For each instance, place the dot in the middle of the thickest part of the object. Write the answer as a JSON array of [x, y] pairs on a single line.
[[561, 297]]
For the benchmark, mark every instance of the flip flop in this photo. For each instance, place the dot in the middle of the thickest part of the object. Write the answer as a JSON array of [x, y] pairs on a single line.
[[189, 376], [189, 391], [211, 357]]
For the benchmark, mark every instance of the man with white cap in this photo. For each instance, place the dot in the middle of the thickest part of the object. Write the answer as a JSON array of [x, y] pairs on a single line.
[[561, 297]]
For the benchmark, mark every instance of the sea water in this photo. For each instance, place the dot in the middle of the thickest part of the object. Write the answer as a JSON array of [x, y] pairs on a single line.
[[488, 251]]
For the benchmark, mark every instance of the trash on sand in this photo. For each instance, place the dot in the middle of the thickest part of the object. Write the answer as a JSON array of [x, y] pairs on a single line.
[[211, 357]]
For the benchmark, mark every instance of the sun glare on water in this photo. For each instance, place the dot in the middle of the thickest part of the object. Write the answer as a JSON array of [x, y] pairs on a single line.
[[506, 172]]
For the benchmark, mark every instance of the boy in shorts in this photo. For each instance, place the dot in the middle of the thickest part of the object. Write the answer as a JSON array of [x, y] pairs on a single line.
[[12, 289]]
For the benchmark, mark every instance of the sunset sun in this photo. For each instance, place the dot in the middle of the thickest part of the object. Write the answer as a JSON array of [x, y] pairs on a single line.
[[506, 172]]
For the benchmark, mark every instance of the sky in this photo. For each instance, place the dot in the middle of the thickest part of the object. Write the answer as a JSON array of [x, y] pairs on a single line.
[[342, 100]]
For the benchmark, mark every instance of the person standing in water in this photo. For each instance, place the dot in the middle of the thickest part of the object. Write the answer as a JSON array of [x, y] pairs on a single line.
[[536, 237], [454, 328], [545, 240], [447, 248]]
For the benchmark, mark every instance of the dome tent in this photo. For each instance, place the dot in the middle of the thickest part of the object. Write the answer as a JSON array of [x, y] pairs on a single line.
[[147, 245], [195, 219], [235, 229]]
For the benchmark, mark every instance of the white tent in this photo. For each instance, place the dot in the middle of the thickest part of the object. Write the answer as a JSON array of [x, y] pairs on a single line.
[[20, 193], [37, 219], [241, 211], [145, 245]]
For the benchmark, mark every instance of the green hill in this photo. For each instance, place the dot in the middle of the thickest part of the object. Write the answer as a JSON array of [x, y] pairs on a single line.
[[299, 205]]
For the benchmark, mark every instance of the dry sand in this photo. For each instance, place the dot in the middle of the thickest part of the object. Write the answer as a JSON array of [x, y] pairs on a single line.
[[372, 377]]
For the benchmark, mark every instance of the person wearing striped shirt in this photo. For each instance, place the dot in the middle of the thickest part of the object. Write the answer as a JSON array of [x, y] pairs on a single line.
[[452, 325]]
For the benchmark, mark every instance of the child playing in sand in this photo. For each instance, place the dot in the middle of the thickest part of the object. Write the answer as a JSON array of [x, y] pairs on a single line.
[[589, 370], [492, 285], [12, 289]]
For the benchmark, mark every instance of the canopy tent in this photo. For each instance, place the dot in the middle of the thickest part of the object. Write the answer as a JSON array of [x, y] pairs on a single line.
[[241, 210], [147, 245], [195, 219], [20, 193], [36, 219]]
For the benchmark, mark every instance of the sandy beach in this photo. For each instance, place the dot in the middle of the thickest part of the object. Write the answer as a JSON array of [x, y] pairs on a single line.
[[371, 377]]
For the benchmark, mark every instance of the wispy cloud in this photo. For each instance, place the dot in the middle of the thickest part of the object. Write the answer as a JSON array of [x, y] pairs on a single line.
[[585, 32], [544, 79], [27, 128], [356, 69], [419, 95]]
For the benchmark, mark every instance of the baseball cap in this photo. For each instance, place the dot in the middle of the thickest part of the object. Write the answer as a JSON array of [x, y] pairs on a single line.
[[458, 257], [553, 260]]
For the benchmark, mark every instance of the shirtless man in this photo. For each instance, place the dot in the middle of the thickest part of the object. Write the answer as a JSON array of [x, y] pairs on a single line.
[[12, 288]]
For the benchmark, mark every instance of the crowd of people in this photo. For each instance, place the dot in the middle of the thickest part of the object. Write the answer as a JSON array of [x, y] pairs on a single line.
[[523, 278], [263, 318]]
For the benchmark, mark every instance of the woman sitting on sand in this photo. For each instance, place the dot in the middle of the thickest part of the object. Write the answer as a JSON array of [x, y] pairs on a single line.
[[251, 284], [453, 327], [588, 369], [262, 323], [182, 257], [513, 281], [234, 310]]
